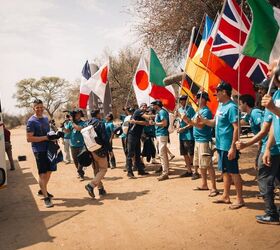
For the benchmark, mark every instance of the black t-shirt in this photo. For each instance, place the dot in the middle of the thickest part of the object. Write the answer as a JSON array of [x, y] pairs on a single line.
[[135, 129]]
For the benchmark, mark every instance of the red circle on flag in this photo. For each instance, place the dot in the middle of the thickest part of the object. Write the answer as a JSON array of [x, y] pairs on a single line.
[[142, 79], [104, 75]]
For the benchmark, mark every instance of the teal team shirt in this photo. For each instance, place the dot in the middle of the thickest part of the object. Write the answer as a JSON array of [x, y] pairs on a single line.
[[268, 117], [255, 119], [186, 135], [76, 137], [160, 116], [276, 119], [226, 114], [109, 127], [203, 134]]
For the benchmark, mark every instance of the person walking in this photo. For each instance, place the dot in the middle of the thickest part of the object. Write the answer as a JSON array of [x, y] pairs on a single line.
[[66, 140]]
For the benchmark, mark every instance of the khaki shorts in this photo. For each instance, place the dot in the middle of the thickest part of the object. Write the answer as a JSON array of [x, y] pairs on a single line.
[[202, 155]]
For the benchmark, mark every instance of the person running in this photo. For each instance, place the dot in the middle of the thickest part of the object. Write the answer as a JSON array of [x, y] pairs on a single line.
[[109, 126], [226, 131], [161, 124], [37, 129], [202, 150], [74, 127], [100, 160], [136, 124], [8, 148], [186, 138], [66, 140]]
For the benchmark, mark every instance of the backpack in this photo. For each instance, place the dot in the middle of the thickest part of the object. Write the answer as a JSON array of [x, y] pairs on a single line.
[[91, 139]]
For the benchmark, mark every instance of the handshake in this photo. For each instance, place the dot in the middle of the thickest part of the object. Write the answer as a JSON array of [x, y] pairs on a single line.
[[52, 136]]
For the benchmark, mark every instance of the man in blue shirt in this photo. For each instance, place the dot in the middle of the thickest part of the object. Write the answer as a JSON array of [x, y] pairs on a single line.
[[161, 125], [37, 128], [202, 151], [226, 131], [66, 141], [74, 127], [186, 138]]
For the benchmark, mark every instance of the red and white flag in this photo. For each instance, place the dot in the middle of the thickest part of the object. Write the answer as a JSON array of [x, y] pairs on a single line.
[[141, 85], [96, 84]]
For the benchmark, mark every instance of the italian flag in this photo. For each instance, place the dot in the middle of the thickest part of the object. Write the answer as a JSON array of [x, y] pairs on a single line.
[[159, 91], [263, 41]]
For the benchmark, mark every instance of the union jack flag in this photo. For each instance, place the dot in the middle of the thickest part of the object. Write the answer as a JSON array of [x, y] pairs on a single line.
[[229, 35]]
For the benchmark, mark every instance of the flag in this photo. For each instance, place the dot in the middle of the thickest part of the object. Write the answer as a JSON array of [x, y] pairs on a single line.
[[96, 83], [159, 91], [263, 42], [141, 84], [222, 51], [198, 73], [84, 89]]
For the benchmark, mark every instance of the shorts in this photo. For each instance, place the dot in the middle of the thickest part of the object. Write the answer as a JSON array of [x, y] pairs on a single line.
[[202, 155], [225, 165], [43, 163], [186, 147]]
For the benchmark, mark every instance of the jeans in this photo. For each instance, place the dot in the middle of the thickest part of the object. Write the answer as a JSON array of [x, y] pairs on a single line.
[[79, 167], [133, 150], [162, 145], [266, 179], [67, 149]]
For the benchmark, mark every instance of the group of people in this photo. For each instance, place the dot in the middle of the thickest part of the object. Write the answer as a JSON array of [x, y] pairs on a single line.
[[195, 131]]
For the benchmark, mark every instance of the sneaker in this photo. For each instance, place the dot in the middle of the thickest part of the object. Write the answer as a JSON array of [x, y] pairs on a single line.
[[130, 175], [89, 188], [159, 170], [267, 219], [102, 191], [195, 176], [163, 177], [186, 174], [41, 194], [48, 202]]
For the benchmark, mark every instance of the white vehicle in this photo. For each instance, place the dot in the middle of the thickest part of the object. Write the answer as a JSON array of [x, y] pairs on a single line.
[[3, 170]]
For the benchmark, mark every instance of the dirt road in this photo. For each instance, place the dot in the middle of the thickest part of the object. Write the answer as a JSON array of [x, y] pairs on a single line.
[[136, 214]]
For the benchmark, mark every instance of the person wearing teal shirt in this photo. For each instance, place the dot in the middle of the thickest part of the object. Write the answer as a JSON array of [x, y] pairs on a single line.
[[202, 150], [74, 127], [161, 126], [66, 140], [186, 138], [273, 161], [109, 126], [226, 131], [254, 117]]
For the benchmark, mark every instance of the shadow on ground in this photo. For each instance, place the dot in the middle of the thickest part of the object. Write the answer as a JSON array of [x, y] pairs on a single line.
[[22, 223]]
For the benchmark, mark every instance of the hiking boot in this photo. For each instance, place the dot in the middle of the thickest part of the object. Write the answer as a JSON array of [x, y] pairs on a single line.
[[40, 193], [48, 202], [267, 219], [159, 170], [195, 176], [163, 177], [102, 191], [186, 174], [142, 173], [130, 175], [89, 188]]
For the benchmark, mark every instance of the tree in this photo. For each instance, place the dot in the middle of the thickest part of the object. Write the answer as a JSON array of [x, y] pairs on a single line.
[[51, 90]]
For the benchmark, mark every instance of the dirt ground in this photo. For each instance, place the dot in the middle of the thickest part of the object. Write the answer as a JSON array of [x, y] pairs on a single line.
[[136, 214]]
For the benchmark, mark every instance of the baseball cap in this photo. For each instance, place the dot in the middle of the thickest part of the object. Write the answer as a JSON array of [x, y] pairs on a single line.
[[157, 102], [224, 86], [202, 94], [264, 84]]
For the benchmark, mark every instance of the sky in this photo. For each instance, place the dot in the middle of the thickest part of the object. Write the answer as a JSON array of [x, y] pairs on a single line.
[[56, 37]]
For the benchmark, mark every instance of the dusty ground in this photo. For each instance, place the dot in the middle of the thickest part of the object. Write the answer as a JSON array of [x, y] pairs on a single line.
[[136, 214]]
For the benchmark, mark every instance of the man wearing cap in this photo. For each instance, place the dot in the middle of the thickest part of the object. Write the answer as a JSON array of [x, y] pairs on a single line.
[[226, 130], [186, 138], [202, 150], [161, 125], [136, 125]]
